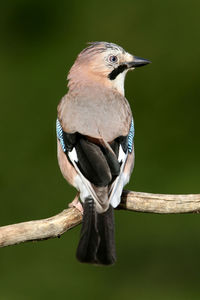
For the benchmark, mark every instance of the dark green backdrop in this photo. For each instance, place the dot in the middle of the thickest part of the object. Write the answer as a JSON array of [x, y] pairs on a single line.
[[158, 255]]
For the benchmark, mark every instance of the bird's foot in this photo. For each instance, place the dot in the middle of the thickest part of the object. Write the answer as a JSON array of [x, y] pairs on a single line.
[[76, 203]]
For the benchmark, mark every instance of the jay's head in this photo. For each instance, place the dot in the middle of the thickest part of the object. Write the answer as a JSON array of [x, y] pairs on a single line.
[[105, 63]]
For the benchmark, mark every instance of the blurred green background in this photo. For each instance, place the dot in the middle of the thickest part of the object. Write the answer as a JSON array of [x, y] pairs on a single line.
[[158, 255]]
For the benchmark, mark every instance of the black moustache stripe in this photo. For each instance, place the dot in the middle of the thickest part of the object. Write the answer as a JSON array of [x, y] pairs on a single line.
[[117, 71]]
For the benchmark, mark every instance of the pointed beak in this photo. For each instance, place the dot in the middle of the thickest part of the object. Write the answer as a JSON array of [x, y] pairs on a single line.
[[138, 62]]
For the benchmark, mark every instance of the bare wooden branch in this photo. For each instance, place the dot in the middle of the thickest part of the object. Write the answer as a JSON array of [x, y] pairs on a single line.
[[69, 218], [160, 203], [40, 229]]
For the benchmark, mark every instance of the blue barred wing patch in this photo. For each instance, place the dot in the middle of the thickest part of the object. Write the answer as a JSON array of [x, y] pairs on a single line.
[[131, 137], [59, 133]]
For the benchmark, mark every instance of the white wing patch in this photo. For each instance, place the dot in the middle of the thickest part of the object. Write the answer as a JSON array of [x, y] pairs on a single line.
[[81, 183], [73, 155], [120, 181], [122, 155]]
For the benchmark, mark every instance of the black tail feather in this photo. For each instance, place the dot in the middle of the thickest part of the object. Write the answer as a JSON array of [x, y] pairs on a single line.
[[89, 240], [97, 243], [106, 253]]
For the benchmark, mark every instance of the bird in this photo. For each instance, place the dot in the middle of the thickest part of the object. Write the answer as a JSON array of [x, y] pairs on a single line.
[[95, 143]]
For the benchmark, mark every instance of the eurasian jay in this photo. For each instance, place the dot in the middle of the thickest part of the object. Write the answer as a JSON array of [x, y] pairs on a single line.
[[95, 132]]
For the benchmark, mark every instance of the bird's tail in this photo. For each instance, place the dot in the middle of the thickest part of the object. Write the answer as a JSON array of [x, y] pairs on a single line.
[[97, 242]]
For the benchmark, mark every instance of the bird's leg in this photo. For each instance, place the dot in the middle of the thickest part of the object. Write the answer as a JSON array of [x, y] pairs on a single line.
[[76, 203]]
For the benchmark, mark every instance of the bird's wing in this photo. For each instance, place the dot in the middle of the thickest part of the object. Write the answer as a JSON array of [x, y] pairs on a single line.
[[98, 163], [126, 160], [90, 162]]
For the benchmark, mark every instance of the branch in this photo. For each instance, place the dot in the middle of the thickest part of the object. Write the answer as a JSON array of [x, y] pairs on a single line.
[[69, 218]]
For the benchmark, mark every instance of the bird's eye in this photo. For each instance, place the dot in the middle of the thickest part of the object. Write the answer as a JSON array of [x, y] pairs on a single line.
[[113, 58]]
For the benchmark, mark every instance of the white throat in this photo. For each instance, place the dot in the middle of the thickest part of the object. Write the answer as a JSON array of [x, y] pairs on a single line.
[[118, 82]]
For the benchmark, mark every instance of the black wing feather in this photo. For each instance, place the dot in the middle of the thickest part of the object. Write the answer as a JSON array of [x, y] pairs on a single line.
[[96, 162], [92, 163]]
